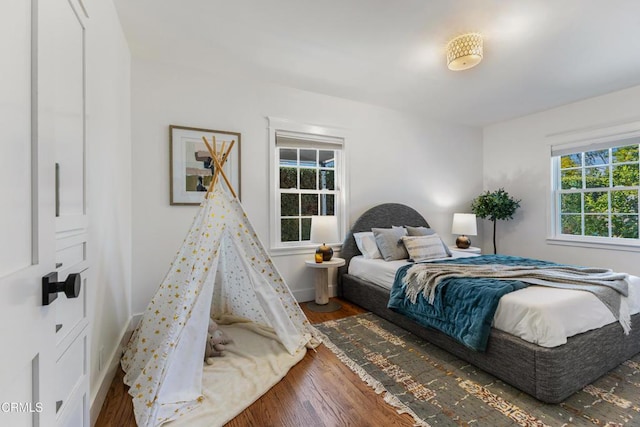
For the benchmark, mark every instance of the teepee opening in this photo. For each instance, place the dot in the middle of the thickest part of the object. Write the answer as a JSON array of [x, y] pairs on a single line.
[[223, 271]]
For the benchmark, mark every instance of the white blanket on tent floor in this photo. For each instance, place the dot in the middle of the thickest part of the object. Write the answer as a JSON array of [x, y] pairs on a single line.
[[251, 365]]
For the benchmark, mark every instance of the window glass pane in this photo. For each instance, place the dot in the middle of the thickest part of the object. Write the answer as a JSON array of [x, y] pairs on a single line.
[[289, 231], [288, 178], [594, 158], [596, 225], [327, 204], [625, 226], [308, 179], [605, 202], [571, 224], [596, 177], [327, 159], [626, 175], [308, 158], [570, 203], [309, 204], [327, 180], [306, 228], [571, 161], [625, 154], [289, 205], [624, 201], [596, 202], [288, 157], [571, 179]]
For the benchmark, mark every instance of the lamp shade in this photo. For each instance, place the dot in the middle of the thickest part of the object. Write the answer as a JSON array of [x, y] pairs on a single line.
[[324, 229], [464, 224], [464, 52]]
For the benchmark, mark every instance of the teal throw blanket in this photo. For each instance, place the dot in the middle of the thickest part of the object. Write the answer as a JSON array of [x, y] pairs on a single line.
[[463, 308]]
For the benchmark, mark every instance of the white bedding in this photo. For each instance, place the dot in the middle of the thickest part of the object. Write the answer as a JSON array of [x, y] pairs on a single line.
[[538, 314]]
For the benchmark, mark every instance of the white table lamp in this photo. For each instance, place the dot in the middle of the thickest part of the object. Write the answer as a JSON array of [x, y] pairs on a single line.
[[324, 229], [464, 225]]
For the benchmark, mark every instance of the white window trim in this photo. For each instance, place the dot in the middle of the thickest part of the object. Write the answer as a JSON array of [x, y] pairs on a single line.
[[315, 133], [586, 138]]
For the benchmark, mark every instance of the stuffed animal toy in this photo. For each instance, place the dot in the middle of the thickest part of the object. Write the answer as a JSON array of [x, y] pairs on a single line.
[[216, 341]]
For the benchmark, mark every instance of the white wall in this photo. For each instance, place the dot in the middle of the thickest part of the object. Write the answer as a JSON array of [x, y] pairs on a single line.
[[392, 157], [516, 156], [108, 191]]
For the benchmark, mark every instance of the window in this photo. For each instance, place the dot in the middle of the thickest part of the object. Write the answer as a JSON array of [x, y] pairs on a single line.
[[595, 190], [308, 180]]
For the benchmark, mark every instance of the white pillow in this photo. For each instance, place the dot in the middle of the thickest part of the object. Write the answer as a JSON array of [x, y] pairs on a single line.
[[422, 248], [366, 242]]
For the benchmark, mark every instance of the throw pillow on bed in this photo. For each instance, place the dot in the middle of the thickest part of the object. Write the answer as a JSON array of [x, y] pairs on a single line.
[[389, 241], [424, 231], [422, 248], [366, 242]]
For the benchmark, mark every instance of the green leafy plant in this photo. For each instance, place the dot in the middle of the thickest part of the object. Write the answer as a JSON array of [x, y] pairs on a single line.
[[496, 205]]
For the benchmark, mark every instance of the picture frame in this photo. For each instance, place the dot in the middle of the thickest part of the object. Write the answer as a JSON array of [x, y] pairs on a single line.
[[191, 168]]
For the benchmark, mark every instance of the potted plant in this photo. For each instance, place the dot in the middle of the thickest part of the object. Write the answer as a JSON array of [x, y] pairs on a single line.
[[494, 206]]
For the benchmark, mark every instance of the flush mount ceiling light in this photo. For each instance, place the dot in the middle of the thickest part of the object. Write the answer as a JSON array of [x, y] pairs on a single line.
[[464, 52]]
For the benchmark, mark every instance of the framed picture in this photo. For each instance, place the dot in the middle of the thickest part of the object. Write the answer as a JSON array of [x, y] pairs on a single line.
[[191, 164]]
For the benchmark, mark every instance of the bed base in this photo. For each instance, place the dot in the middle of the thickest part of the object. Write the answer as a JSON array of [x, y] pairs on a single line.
[[548, 374]]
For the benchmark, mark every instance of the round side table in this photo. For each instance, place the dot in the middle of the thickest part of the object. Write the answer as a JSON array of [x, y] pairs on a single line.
[[322, 303]]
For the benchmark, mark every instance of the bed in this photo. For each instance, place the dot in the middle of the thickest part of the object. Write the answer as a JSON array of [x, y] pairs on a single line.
[[550, 374]]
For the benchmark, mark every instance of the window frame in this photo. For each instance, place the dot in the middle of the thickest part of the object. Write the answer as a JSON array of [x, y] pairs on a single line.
[[318, 137], [580, 142]]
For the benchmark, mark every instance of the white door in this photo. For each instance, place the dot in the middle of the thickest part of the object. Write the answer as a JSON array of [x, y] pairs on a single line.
[[27, 232], [43, 362]]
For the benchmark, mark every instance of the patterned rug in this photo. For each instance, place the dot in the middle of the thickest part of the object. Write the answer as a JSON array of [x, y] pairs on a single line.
[[438, 389]]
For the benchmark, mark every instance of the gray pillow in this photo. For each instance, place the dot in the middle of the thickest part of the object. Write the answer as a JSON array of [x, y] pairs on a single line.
[[424, 231], [389, 241]]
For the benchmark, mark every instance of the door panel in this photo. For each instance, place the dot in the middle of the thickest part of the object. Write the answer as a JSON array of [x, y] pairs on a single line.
[[70, 370], [42, 117], [27, 227], [68, 104], [62, 72], [15, 149]]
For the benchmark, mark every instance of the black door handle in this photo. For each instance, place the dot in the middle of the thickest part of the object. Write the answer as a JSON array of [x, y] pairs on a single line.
[[51, 287]]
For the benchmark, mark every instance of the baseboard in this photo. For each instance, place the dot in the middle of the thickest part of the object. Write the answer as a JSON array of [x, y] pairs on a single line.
[[309, 294], [112, 368]]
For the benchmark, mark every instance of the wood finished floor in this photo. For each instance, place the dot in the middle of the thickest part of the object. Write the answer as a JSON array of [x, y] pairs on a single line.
[[318, 391]]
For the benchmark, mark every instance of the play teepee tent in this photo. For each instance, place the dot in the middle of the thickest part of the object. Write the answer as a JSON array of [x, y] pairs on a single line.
[[221, 269]]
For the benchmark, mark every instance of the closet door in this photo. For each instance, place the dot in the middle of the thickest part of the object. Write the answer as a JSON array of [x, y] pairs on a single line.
[[27, 228], [61, 82], [44, 370]]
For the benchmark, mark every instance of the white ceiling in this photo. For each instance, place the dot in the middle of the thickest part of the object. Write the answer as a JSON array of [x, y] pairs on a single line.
[[538, 54]]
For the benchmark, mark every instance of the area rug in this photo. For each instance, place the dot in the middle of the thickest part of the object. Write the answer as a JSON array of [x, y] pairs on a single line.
[[438, 389]]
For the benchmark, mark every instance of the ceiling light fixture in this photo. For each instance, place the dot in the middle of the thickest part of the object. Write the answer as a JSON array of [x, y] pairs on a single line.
[[464, 52]]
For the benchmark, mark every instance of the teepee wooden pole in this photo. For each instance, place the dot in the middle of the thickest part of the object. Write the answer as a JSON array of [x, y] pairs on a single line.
[[219, 155], [225, 157], [228, 153], [212, 152], [219, 161], [224, 176], [214, 178]]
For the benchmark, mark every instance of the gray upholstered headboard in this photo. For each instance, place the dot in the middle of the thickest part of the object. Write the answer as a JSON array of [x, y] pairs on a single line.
[[381, 216]]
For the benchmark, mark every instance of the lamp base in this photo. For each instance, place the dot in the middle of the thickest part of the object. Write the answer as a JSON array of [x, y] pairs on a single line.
[[463, 242], [326, 251]]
